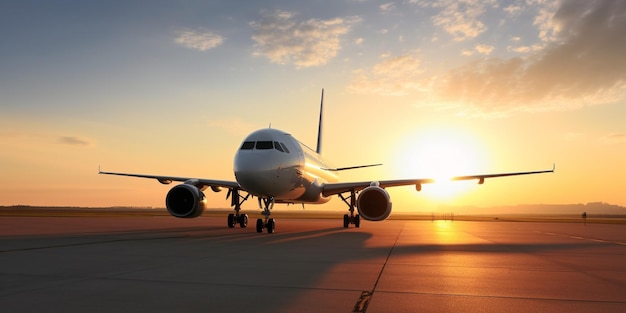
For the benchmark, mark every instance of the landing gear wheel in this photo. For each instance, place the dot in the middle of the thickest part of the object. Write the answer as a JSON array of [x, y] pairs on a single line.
[[259, 226], [236, 201], [350, 218], [231, 220], [243, 221], [271, 225]]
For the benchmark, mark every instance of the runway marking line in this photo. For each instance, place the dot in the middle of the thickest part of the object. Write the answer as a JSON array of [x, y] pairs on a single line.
[[584, 238], [503, 297]]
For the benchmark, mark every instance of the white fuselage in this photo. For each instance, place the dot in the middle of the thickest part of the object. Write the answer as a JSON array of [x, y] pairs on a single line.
[[272, 163]]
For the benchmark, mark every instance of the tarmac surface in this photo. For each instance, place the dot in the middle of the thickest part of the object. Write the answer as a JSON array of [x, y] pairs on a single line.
[[164, 264]]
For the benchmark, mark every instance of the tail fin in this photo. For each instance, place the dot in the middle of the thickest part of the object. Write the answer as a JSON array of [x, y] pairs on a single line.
[[319, 128]]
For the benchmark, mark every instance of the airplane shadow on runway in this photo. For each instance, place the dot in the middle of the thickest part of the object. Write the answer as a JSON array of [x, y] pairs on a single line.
[[324, 259], [222, 269]]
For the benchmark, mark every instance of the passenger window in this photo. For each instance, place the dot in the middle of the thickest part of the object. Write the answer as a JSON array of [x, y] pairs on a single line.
[[247, 145], [278, 147], [264, 145], [284, 147]]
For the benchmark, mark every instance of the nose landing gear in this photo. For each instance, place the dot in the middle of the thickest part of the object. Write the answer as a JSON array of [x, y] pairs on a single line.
[[266, 205], [266, 222]]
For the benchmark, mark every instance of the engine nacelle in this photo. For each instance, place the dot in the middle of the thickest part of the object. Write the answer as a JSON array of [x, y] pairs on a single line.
[[374, 203], [185, 201]]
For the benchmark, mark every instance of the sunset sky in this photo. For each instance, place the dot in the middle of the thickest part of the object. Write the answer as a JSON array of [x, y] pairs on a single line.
[[427, 88]]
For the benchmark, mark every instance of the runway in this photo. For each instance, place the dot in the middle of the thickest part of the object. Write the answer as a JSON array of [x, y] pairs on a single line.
[[164, 264]]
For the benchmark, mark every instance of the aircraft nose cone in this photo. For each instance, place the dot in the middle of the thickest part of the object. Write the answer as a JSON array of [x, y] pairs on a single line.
[[265, 174], [253, 181], [254, 173]]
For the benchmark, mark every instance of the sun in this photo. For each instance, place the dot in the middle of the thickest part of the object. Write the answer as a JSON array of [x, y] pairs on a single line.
[[440, 153]]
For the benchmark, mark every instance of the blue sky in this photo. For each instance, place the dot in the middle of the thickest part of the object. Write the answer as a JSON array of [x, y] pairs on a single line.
[[172, 87]]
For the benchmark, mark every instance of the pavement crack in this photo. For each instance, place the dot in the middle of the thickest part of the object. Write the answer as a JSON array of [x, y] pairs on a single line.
[[366, 296], [361, 304]]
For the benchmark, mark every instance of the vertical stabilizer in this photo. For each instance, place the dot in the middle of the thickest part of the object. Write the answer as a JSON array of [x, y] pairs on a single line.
[[319, 127]]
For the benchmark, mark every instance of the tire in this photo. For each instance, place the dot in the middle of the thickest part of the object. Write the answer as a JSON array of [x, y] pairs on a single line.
[[243, 220], [259, 226], [231, 220], [346, 221]]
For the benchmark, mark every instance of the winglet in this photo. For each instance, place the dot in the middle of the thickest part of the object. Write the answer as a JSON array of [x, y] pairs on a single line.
[[319, 127]]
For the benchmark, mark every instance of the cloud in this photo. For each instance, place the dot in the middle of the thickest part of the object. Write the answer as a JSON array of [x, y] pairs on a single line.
[[578, 61], [394, 76], [581, 64], [479, 48], [513, 9], [525, 49], [202, 40], [73, 141], [543, 20], [484, 49], [387, 6], [460, 19], [282, 39], [467, 53]]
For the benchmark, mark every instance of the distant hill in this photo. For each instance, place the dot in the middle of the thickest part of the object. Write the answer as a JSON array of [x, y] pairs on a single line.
[[592, 208]]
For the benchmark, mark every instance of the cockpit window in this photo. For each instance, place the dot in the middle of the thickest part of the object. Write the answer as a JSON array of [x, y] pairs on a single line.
[[278, 147], [247, 145], [264, 145]]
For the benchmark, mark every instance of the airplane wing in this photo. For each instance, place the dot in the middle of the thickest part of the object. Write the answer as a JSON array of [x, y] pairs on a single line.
[[198, 182], [481, 178], [337, 188]]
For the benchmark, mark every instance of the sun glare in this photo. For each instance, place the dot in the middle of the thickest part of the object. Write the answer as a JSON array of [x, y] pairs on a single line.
[[440, 154]]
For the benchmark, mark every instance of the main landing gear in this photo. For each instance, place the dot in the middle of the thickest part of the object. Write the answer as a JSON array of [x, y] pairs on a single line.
[[350, 218], [237, 200], [266, 222]]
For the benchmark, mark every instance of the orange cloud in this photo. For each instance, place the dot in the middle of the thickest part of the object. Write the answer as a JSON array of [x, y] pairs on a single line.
[[73, 141], [583, 65]]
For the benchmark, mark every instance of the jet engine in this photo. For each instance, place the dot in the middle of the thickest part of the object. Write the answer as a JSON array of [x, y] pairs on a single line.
[[374, 203], [185, 201]]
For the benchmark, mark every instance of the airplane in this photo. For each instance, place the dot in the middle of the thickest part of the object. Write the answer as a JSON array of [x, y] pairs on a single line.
[[275, 167]]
